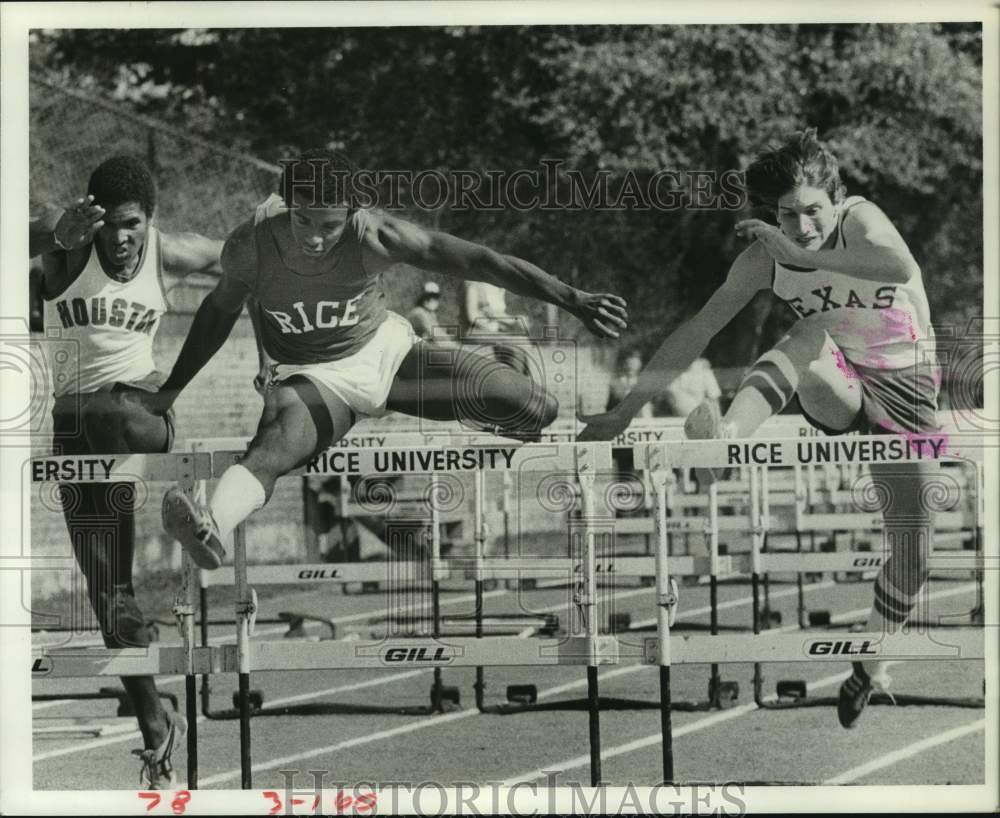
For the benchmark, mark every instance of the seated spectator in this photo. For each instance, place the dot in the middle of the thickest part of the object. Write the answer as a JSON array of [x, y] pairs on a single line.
[[484, 318], [423, 316], [629, 369], [696, 384]]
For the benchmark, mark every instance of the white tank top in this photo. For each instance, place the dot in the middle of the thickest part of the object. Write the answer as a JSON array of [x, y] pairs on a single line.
[[876, 324], [111, 322]]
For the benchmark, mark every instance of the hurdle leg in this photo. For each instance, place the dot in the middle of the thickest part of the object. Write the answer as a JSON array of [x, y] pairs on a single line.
[[191, 706], [714, 680], [594, 725], [201, 496], [659, 472], [755, 585], [437, 699], [184, 612], [245, 610], [480, 684], [588, 610], [206, 686], [437, 693], [800, 585], [480, 540]]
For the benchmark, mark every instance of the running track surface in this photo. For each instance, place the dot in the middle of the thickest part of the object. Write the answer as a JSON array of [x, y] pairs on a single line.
[[890, 745]]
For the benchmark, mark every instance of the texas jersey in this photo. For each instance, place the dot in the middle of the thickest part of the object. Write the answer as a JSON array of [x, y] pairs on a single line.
[[313, 317], [877, 324], [110, 324]]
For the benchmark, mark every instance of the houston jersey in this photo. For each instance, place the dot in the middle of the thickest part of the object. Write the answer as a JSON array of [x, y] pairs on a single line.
[[111, 324], [318, 317], [876, 324]]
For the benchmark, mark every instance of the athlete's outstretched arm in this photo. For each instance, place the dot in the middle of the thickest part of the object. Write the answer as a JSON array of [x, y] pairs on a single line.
[[749, 275], [395, 240], [873, 247], [187, 254], [54, 229], [215, 318]]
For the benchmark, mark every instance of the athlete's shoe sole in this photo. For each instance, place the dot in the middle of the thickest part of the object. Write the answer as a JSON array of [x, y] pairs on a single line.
[[704, 423], [192, 525], [157, 771]]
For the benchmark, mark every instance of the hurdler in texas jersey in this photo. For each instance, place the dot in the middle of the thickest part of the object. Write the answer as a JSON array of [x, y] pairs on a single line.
[[312, 264]]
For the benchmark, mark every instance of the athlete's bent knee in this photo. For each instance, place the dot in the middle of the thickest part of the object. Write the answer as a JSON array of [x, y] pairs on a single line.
[[123, 624]]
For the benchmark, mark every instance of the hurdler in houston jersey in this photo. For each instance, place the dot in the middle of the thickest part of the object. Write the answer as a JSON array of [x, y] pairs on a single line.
[[111, 323], [881, 325]]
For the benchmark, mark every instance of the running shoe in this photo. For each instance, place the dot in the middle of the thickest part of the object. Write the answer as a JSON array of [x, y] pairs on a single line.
[[856, 692], [194, 526], [157, 772], [705, 423]]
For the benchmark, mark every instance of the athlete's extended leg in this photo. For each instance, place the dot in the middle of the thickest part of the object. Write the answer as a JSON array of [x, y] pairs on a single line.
[[101, 522], [300, 418], [805, 362], [907, 533], [451, 382]]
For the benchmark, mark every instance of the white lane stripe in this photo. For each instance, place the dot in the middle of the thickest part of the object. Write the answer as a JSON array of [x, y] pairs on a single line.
[[268, 631], [343, 745], [907, 752], [640, 743], [433, 722], [736, 603], [427, 722], [135, 734], [716, 718], [304, 697]]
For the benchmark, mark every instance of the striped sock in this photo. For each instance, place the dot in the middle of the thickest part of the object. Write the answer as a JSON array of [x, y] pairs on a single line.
[[763, 393], [890, 611]]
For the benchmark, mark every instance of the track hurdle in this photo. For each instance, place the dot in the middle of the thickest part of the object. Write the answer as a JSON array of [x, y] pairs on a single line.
[[758, 648], [585, 646], [792, 694], [395, 573], [228, 450], [962, 525], [523, 697], [185, 469]]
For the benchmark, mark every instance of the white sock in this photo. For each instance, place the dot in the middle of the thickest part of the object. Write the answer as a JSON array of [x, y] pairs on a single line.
[[238, 495]]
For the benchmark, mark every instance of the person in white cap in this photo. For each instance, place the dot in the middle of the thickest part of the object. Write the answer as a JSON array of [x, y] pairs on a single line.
[[423, 316]]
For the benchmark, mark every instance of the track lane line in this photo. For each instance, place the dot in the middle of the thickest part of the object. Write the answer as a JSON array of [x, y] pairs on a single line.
[[135, 734], [451, 717], [216, 640], [446, 717], [716, 718], [906, 752]]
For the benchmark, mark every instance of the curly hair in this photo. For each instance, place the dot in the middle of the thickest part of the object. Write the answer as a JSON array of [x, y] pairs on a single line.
[[325, 176], [800, 160], [123, 179]]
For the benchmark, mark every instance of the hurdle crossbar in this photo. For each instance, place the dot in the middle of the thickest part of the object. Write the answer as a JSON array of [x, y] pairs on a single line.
[[153, 660], [830, 647], [319, 573], [535, 457], [115, 468]]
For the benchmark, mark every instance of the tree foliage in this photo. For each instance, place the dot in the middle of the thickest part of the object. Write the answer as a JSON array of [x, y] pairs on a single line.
[[899, 104]]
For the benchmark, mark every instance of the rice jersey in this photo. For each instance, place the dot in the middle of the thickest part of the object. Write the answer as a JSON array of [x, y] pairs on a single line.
[[306, 318]]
